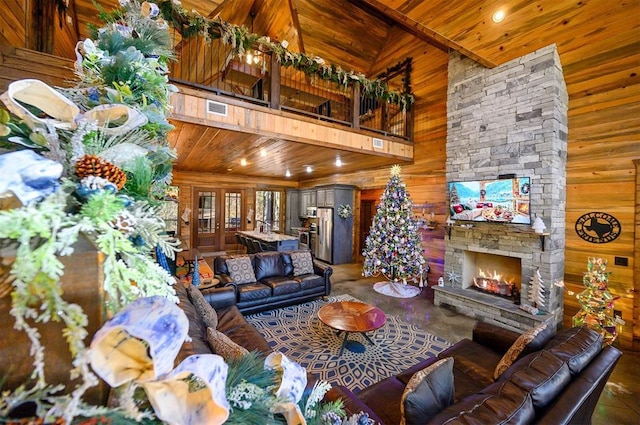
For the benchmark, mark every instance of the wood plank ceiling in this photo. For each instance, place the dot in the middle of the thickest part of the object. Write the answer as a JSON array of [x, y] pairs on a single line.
[[351, 34]]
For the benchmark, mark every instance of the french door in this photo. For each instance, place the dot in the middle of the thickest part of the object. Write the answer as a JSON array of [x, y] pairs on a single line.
[[217, 215]]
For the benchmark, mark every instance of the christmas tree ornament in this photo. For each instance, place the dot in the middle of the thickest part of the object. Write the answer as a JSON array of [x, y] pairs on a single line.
[[92, 165], [536, 291]]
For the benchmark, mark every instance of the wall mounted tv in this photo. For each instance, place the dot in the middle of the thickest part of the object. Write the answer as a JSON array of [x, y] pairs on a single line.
[[498, 201]]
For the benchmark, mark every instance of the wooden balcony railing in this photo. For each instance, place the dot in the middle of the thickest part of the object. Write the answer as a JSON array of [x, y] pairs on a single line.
[[258, 78]]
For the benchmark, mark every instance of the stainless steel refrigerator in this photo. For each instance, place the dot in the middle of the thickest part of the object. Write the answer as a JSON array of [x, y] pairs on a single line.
[[324, 240]]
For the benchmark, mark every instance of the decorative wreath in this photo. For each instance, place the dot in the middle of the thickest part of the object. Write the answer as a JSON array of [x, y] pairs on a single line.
[[345, 211], [525, 188]]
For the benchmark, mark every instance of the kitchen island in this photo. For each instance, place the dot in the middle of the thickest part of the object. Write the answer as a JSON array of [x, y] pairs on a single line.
[[275, 241]]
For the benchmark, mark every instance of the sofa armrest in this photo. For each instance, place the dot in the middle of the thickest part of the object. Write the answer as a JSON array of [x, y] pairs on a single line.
[[220, 297], [322, 270], [494, 337], [224, 279], [352, 404]]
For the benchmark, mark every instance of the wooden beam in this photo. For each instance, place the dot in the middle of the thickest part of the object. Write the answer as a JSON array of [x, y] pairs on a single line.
[[419, 30], [296, 24]]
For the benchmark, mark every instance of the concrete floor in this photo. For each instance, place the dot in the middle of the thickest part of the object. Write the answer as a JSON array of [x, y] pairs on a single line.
[[617, 405]]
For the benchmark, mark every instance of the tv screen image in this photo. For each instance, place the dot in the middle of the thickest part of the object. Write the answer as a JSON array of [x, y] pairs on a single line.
[[498, 201]]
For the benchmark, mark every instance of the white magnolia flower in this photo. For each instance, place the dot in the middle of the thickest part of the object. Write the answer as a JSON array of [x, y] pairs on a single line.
[[284, 44]]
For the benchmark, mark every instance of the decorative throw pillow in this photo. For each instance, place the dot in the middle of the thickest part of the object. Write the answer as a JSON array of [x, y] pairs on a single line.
[[241, 270], [208, 313], [429, 391], [223, 346], [517, 348], [302, 263]]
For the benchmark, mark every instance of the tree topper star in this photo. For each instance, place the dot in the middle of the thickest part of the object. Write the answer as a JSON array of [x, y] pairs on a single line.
[[395, 170]]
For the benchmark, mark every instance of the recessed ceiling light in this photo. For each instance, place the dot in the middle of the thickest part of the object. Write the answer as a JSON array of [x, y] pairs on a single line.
[[288, 173], [338, 162], [229, 169], [263, 152], [243, 162], [309, 169], [498, 16]]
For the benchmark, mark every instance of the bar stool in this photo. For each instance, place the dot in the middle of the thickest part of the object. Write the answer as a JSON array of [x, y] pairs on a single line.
[[251, 249], [257, 246], [240, 247]]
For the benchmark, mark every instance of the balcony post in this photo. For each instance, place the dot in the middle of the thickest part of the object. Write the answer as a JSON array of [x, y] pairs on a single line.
[[355, 106], [274, 83], [409, 122]]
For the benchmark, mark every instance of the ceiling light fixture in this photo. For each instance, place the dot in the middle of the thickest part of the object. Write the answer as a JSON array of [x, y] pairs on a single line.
[[288, 173], [243, 162], [498, 16], [338, 162], [309, 169], [263, 152]]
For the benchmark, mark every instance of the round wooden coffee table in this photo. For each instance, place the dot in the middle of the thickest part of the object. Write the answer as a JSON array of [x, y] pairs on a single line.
[[352, 316]]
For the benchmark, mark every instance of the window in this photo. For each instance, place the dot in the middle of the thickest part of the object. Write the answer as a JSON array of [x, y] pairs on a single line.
[[268, 208], [232, 211]]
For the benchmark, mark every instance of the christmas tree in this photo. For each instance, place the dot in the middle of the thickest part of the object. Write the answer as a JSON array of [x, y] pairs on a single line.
[[393, 246], [536, 290], [596, 301]]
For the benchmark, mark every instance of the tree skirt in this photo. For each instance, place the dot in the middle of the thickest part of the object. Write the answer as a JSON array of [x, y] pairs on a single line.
[[396, 289], [297, 332]]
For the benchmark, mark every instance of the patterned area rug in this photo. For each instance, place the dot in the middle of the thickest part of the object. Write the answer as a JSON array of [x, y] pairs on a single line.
[[297, 332]]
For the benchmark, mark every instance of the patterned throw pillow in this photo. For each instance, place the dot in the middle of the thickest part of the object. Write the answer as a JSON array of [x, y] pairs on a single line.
[[223, 346], [302, 263], [518, 346], [241, 270], [429, 391], [208, 313]]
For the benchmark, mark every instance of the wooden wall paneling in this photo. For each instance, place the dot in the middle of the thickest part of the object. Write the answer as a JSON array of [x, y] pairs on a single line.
[[13, 21], [635, 290]]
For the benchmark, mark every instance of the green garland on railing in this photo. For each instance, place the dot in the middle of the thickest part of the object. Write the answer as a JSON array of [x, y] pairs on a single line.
[[190, 24]]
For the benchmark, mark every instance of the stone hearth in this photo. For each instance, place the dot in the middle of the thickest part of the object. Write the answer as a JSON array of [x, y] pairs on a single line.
[[508, 120]]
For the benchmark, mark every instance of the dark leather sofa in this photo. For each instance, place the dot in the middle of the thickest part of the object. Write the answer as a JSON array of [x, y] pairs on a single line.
[[559, 383], [230, 322], [275, 284]]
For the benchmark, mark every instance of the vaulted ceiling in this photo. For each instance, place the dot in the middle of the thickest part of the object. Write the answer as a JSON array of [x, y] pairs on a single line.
[[354, 35]]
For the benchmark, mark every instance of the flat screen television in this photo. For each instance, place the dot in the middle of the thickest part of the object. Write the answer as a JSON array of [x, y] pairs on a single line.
[[498, 201]]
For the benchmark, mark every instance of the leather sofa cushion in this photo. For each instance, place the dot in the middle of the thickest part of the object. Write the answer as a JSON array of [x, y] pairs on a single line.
[[384, 399], [500, 403], [233, 324], [429, 391], [268, 264], [576, 346], [473, 360], [281, 285], [253, 291], [207, 313], [288, 263], [542, 374], [310, 281], [220, 265], [197, 327]]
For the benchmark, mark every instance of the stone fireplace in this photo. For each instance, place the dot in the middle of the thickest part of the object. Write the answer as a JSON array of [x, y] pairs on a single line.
[[510, 120]]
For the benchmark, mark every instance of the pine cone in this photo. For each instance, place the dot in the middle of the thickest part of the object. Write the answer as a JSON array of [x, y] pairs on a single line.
[[92, 165]]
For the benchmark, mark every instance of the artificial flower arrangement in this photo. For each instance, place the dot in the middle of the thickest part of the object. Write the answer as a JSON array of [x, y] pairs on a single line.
[[105, 139]]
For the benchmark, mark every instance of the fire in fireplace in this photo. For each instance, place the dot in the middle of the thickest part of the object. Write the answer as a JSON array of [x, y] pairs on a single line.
[[494, 283]]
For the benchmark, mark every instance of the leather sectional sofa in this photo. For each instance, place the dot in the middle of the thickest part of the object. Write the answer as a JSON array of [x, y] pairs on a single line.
[[276, 284], [557, 382], [560, 383]]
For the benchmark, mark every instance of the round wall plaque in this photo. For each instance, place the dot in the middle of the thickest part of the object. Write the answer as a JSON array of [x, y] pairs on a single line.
[[598, 227]]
